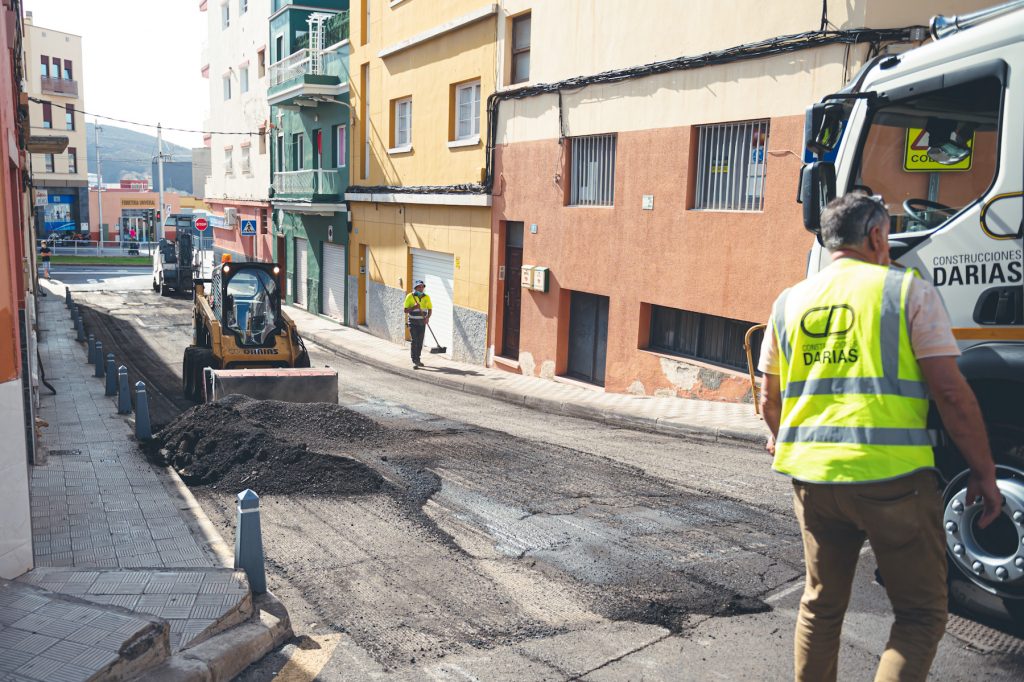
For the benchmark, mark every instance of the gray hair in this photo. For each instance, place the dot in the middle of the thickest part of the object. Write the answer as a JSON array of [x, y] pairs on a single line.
[[847, 220]]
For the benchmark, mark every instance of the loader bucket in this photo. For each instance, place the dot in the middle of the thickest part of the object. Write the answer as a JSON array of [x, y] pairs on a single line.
[[287, 385]]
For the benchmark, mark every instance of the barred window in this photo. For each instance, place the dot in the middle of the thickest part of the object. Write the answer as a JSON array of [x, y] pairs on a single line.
[[592, 171], [704, 337], [731, 165]]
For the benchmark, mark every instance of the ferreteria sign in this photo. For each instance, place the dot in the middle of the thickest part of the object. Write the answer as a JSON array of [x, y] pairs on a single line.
[[138, 203]]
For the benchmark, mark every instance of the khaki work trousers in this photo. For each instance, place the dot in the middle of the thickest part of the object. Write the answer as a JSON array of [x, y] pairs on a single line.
[[901, 519]]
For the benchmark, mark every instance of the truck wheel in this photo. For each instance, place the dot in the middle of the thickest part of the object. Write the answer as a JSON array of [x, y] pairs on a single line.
[[164, 291], [155, 287], [992, 558]]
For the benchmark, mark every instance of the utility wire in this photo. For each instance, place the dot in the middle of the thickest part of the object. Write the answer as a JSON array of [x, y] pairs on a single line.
[[149, 125]]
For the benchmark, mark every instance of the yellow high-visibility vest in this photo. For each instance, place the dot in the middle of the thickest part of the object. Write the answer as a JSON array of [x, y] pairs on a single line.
[[854, 403]]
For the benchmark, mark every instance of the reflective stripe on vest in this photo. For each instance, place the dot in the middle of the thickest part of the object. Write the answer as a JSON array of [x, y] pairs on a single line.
[[847, 414]]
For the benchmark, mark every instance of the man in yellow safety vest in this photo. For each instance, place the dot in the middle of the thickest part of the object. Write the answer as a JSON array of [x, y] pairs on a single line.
[[850, 358], [419, 308]]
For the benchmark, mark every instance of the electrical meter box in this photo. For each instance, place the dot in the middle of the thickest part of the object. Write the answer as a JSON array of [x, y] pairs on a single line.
[[540, 279], [527, 278]]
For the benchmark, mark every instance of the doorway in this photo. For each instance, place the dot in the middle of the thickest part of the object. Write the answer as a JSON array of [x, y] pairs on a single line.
[[588, 337], [513, 291], [364, 263]]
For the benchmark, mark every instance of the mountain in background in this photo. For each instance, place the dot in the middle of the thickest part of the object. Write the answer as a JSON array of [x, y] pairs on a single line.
[[127, 154]]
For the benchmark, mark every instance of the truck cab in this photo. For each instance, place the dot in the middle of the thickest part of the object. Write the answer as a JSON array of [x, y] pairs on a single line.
[[936, 134]]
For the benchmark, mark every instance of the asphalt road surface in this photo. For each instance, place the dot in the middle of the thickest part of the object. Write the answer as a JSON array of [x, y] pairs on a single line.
[[107, 277], [509, 544]]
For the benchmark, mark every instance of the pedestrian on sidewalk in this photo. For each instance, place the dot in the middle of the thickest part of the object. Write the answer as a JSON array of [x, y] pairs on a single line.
[[418, 307], [849, 358], [44, 253]]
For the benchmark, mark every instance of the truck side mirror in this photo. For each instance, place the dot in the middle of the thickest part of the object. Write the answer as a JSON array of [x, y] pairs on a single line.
[[817, 188], [823, 127]]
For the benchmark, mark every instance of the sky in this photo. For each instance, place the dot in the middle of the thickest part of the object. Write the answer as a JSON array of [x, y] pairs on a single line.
[[141, 59]]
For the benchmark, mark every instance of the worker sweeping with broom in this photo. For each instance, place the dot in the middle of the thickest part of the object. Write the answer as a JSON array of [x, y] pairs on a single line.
[[418, 307]]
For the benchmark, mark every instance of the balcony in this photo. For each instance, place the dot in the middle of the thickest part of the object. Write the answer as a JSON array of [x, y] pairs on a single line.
[[304, 79], [314, 190], [59, 86]]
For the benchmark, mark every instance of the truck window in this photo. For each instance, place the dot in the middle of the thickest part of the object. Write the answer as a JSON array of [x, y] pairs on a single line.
[[929, 157]]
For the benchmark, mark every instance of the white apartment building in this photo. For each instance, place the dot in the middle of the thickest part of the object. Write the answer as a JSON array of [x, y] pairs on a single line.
[[53, 75], [235, 63]]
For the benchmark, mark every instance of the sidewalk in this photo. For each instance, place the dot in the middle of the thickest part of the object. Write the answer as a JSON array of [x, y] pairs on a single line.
[[130, 578], [678, 416]]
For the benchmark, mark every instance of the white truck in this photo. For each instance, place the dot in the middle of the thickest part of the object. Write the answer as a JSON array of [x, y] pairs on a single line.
[[938, 133]]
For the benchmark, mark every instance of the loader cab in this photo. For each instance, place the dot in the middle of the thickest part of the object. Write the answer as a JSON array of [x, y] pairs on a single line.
[[246, 298]]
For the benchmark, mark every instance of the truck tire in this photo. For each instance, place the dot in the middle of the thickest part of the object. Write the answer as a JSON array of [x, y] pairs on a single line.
[[164, 291], [990, 559]]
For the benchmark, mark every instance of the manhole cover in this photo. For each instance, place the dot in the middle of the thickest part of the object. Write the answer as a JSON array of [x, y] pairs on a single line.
[[983, 638], [64, 453]]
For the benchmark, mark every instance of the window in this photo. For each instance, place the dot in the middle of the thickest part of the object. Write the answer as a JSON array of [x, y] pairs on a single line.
[[69, 116], [229, 161], [243, 79], [47, 115], [279, 48], [226, 80], [55, 71], [730, 166], [467, 111], [48, 162], [298, 142], [592, 173], [402, 116], [245, 160], [44, 66], [68, 73], [261, 63], [72, 160], [521, 49], [280, 152], [243, 7], [225, 16], [340, 150], [318, 149], [703, 337]]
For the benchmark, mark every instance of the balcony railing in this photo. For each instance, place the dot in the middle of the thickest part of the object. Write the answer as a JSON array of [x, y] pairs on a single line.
[[307, 182], [292, 66], [59, 86]]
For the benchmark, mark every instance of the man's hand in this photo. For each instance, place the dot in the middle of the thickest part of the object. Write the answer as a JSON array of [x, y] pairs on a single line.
[[988, 491], [770, 445]]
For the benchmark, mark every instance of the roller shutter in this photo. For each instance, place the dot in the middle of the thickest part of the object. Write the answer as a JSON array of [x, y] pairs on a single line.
[[437, 270], [333, 273]]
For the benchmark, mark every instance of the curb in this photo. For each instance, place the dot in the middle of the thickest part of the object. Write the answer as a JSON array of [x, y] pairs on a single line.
[[224, 656], [660, 425]]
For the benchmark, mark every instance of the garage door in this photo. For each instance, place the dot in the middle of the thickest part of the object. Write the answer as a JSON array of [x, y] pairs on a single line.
[[334, 281], [300, 272], [437, 270]]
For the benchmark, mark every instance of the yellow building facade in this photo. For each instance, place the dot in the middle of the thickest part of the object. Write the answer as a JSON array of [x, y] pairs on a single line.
[[421, 73]]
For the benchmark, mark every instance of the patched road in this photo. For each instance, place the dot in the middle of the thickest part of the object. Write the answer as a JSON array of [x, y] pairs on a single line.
[[512, 545]]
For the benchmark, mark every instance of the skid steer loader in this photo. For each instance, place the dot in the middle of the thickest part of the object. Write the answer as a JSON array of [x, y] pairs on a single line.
[[243, 343]]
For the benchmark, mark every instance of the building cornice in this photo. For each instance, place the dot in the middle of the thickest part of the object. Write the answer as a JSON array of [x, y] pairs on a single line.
[[429, 199]]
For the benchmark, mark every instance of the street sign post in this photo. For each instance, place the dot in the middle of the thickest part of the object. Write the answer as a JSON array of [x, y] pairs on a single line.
[[202, 224], [248, 228]]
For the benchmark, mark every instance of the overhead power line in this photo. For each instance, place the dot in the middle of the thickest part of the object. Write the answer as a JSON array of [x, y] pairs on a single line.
[[149, 125]]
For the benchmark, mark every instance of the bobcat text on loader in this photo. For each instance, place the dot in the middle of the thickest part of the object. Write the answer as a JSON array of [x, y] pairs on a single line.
[[936, 132], [242, 343]]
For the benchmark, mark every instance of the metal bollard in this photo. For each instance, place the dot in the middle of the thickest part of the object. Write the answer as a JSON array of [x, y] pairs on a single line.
[[249, 541], [67, 296], [98, 353], [111, 372], [79, 329], [92, 349], [143, 431], [124, 401]]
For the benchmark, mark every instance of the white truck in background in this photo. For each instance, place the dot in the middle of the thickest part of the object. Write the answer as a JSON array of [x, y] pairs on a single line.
[[938, 133]]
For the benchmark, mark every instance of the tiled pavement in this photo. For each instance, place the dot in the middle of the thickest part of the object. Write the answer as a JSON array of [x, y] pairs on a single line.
[[672, 415], [118, 568]]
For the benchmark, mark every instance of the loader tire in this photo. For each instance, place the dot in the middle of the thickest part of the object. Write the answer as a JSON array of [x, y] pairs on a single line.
[[187, 375], [303, 360]]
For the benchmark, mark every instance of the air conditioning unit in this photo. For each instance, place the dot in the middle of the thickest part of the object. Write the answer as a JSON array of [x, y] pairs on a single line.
[[231, 217]]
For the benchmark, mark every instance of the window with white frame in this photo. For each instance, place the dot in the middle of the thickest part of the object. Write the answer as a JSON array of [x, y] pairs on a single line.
[[403, 122], [229, 161], [243, 79], [467, 111], [731, 166], [48, 162], [225, 16], [245, 160], [226, 82], [592, 170], [72, 160]]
